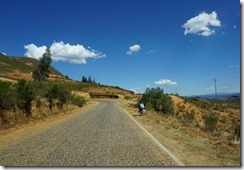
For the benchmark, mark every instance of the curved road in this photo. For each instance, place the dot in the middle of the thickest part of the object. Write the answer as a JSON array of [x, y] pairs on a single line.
[[100, 136]]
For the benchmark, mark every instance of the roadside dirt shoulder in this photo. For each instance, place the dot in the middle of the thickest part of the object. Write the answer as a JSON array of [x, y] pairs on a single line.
[[191, 150], [12, 134]]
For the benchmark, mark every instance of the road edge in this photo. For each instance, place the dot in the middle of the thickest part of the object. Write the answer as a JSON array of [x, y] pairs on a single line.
[[161, 146]]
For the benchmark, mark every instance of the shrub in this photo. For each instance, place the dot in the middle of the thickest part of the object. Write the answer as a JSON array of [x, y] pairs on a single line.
[[63, 96], [59, 93], [167, 105], [78, 101], [155, 99], [52, 93], [237, 131], [26, 93], [7, 97], [188, 117], [149, 106], [127, 98], [210, 121]]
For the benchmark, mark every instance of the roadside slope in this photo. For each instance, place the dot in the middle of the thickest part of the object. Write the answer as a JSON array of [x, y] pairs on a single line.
[[191, 146]]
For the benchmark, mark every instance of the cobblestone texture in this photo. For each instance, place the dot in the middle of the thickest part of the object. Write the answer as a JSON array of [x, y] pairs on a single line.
[[101, 136]]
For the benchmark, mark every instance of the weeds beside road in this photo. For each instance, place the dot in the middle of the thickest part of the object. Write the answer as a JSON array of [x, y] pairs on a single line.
[[192, 146]]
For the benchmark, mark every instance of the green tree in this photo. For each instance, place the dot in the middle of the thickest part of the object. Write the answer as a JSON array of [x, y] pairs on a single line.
[[84, 79], [167, 104], [7, 96], [42, 72], [26, 92], [154, 98], [89, 79]]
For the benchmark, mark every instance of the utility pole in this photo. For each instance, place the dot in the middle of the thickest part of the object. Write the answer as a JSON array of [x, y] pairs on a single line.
[[215, 80]]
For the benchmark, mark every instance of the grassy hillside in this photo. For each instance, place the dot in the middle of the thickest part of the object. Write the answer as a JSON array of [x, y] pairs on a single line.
[[92, 88], [20, 67]]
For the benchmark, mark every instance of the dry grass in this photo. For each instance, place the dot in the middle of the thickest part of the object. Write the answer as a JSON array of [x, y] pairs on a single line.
[[194, 145]]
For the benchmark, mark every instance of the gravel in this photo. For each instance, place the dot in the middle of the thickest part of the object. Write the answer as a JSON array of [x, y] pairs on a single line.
[[100, 136]]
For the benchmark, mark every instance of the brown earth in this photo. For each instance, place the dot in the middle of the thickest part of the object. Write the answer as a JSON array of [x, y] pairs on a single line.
[[193, 146], [17, 74]]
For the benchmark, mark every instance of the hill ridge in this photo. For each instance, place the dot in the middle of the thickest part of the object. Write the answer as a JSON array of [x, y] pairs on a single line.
[[20, 67]]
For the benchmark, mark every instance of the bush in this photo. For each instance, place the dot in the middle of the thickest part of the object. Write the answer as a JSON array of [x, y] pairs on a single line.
[[7, 97], [59, 93], [78, 101], [52, 93], [155, 99], [26, 93], [149, 106], [237, 131], [64, 96], [128, 98], [188, 117], [167, 105], [210, 121]]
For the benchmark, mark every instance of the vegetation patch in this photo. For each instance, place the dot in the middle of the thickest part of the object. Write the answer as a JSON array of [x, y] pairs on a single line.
[[155, 99]]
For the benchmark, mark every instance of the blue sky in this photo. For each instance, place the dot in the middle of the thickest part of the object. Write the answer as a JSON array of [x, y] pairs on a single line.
[[177, 45]]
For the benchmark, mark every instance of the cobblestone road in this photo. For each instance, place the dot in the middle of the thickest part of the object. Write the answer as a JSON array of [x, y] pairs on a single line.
[[100, 136]]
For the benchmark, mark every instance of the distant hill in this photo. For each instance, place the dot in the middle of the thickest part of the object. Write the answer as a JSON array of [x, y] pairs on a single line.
[[219, 95], [14, 68], [20, 67]]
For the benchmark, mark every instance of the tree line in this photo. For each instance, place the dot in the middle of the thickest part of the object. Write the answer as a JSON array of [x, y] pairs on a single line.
[[22, 95], [84, 79]]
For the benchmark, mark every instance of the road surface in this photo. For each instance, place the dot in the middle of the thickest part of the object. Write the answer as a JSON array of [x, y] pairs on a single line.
[[103, 135]]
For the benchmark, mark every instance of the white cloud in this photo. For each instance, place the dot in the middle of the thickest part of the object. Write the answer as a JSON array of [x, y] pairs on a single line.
[[165, 82], [150, 52], [210, 88], [202, 24], [134, 48], [76, 54], [33, 51], [3, 53], [233, 66]]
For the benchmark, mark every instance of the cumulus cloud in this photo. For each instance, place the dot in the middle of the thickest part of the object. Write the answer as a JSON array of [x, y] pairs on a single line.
[[165, 82], [33, 51], [60, 51], [134, 48], [202, 24]]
